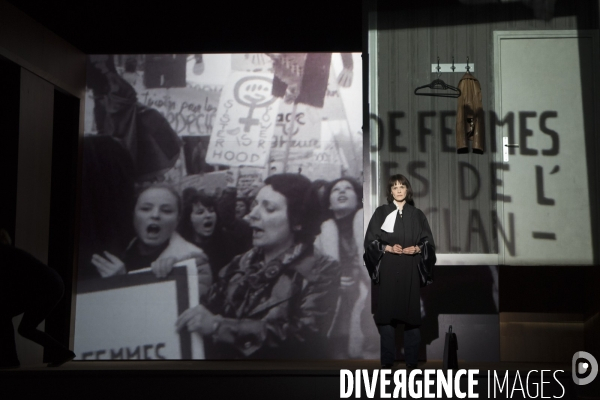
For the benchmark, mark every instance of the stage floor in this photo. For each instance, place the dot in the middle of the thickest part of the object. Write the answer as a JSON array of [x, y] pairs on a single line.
[[297, 379], [326, 367]]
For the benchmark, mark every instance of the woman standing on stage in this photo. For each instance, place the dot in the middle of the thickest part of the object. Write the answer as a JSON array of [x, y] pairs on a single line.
[[400, 227]]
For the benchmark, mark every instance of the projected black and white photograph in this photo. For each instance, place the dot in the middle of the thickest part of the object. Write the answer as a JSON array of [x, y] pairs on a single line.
[[247, 167]]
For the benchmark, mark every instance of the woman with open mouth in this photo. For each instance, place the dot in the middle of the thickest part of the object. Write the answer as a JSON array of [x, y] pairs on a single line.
[[210, 223], [277, 299], [342, 239], [157, 244]]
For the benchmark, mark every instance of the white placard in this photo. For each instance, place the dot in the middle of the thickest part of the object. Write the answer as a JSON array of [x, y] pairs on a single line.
[[133, 316], [245, 121]]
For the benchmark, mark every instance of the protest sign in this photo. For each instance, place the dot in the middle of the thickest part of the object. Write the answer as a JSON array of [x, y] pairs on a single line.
[[324, 162], [244, 122], [210, 183], [190, 110], [133, 316], [253, 62], [249, 181], [304, 133]]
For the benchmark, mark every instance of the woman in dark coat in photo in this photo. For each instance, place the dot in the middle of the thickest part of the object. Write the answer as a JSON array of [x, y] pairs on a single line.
[[278, 299], [400, 227]]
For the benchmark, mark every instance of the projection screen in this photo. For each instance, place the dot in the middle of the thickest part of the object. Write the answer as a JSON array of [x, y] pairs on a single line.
[[179, 229]]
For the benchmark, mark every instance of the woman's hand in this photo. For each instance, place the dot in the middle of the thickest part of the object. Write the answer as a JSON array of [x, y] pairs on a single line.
[[411, 250], [163, 266], [198, 319], [291, 93], [109, 265], [396, 249], [345, 78]]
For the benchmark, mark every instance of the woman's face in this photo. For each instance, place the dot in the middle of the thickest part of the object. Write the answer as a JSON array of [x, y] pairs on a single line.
[[240, 209], [204, 219], [343, 197], [269, 220], [399, 191], [156, 216]]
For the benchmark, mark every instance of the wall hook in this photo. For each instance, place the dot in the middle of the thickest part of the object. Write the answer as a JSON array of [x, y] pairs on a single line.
[[439, 68]]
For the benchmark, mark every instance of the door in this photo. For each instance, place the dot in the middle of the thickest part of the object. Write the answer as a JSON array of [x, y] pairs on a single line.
[[544, 107]]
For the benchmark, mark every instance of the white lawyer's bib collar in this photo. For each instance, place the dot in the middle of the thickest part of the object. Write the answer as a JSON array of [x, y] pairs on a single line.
[[390, 220]]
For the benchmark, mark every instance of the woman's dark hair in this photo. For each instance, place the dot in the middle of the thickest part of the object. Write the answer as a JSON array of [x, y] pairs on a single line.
[[192, 197], [402, 179], [355, 185], [302, 204]]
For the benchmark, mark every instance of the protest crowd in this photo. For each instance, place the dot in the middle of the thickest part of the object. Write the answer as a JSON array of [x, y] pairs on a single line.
[[276, 238]]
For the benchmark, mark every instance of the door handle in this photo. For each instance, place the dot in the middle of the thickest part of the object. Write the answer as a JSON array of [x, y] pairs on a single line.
[[505, 147]]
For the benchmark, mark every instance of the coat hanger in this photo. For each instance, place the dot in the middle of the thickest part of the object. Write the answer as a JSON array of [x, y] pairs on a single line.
[[438, 84]]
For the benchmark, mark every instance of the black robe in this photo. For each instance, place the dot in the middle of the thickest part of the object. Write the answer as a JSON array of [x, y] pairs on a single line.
[[397, 296]]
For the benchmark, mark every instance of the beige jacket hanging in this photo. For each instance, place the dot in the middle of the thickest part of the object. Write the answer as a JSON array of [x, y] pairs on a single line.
[[469, 107]]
